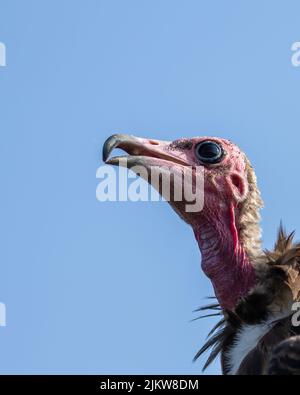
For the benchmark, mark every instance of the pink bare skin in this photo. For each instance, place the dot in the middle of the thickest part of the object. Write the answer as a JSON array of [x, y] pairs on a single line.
[[218, 226]]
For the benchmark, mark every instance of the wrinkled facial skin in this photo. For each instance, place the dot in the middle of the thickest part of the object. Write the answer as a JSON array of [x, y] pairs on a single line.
[[225, 183]]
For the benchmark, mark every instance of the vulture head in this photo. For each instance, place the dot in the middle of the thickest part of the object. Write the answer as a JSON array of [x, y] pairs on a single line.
[[227, 225]]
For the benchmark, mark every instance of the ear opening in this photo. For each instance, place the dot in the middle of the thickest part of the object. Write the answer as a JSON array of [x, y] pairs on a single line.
[[238, 185]]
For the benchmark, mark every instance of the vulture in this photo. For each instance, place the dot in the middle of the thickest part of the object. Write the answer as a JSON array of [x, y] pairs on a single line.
[[256, 290]]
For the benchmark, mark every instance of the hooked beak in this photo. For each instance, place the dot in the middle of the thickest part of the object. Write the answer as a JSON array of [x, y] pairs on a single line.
[[162, 164], [140, 152]]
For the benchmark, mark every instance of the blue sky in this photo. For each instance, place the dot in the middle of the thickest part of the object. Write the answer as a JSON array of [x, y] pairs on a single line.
[[96, 287]]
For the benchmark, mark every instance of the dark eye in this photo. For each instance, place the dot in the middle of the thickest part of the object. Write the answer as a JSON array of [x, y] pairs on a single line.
[[209, 152]]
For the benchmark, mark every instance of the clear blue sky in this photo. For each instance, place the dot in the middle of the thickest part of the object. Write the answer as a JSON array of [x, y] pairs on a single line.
[[110, 287]]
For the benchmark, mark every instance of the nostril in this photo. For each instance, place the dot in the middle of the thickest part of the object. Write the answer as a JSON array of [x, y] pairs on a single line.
[[153, 142]]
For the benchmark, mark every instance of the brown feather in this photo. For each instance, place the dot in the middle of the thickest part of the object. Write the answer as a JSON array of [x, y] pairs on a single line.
[[278, 286]]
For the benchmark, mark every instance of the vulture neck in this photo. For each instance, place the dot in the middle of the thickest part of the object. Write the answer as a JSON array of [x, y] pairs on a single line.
[[227, 260], [230, 242]]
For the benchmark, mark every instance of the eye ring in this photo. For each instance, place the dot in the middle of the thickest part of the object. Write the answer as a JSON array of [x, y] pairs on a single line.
[[209, 152]]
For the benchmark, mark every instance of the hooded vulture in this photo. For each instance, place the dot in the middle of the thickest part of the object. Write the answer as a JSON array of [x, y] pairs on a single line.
[[256, 290]]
